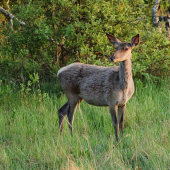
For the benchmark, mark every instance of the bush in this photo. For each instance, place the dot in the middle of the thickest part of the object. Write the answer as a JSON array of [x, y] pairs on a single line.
[[62, 32]]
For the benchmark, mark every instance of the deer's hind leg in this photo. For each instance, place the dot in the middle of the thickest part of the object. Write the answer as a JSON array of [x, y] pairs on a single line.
[[62, 112], [73, 100]]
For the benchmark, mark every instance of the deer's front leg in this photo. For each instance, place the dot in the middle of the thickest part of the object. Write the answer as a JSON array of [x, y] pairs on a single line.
[[114, 120], [121, 110]]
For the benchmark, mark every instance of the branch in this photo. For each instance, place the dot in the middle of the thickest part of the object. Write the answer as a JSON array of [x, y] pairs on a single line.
[[8, 14], [5, 12]]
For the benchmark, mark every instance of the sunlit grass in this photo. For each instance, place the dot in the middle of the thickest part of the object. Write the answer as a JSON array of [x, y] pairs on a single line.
[[29, 133]]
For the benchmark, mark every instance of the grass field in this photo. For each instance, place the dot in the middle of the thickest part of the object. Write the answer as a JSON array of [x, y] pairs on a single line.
[[29, 133]]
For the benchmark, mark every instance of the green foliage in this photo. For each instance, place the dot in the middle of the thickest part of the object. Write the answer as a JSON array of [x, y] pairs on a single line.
[[32, 90], [59, 32], [151, 58], [28, 47]]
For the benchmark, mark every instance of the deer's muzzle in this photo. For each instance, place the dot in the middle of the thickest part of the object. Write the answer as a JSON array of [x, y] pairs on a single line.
[[112, 58]]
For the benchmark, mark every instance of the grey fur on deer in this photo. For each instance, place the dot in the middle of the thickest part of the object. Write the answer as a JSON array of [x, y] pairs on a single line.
[[99, 86]]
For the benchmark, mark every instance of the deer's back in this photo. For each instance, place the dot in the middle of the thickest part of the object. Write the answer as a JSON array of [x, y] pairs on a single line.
[[88, 80], [84, 75]]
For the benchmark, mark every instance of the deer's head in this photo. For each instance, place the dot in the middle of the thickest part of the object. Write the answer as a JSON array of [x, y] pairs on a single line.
[[123, 49]]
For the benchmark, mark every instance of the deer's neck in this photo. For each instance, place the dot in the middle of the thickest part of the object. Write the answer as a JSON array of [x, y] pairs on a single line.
[[125, 73]]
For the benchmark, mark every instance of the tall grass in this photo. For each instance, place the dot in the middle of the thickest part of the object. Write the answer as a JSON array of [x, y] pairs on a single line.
[[29, 133]]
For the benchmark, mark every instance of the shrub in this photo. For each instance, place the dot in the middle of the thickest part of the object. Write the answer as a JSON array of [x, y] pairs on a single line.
[[61, 32]]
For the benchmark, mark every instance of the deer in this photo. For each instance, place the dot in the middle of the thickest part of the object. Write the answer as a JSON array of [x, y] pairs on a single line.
[[99, 86]]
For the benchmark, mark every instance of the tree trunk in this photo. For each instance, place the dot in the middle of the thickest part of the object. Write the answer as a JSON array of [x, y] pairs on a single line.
[[155, 12], [167, 23]]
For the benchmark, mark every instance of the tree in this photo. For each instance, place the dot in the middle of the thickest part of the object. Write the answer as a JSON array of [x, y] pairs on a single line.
[[157, 18], [155, 13], [57, 33]]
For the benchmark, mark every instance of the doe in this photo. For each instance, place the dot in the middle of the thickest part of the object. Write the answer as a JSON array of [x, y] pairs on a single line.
[[99, 86]]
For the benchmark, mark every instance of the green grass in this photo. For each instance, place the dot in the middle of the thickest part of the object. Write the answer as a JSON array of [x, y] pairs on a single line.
[[29, 133]]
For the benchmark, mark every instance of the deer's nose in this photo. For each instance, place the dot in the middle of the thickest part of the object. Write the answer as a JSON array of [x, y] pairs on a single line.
[[112, 58]]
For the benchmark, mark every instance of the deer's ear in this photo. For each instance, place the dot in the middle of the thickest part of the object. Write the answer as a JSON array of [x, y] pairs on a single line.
[[113, 39], [135, 40]]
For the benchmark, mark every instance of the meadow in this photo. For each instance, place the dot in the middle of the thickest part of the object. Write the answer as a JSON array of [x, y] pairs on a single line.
[[30, 139]]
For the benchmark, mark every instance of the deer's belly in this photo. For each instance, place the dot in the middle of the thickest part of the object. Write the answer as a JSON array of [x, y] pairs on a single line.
[[96, 101]]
